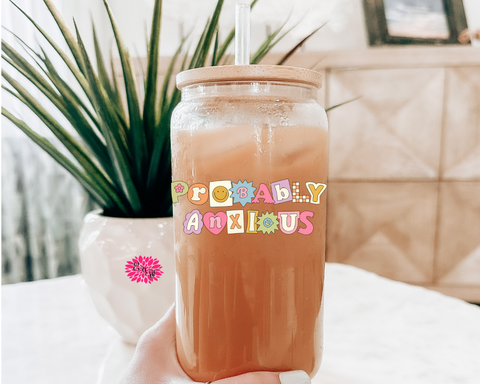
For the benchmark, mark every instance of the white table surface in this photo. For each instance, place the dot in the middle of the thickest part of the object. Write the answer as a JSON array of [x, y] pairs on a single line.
[[376, 331]]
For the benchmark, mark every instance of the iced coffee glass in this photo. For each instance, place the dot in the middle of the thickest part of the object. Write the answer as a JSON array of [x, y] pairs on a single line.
[[249, 146]]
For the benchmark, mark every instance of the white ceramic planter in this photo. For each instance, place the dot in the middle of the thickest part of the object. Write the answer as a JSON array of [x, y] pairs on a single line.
[[107, 244]]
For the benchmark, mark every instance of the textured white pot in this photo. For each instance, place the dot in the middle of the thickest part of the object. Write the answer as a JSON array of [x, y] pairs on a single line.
[[107, 244]]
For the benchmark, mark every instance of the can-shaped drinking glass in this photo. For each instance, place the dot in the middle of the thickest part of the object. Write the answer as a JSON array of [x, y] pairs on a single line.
[[249, 164]]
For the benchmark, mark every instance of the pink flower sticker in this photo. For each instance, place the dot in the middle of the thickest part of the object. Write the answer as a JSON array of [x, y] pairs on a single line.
[[143, 269]]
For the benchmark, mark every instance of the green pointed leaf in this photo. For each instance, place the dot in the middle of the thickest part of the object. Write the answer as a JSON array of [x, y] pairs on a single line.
[[81, 123], [228, 59], [270, 42], [102, 70], [264, 47], [136, 137], [69, 63], [34, 55], [70, 110], [138, 63], [212, 28], [97, 194], [223, 47], [169, 103], [52, 124], [116, 90], [65, 138], [49, 70], [109, 87], [297, 46], [160, 174], [149, 106], [46, 89], [109, 124], [339, 105], [66, 91], [28, 70], [168, 75], [67, 34], [215, 49], [63, 99], [199, 47]]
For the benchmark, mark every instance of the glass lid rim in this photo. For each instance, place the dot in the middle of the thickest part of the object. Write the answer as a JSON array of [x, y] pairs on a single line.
[[253, 73]]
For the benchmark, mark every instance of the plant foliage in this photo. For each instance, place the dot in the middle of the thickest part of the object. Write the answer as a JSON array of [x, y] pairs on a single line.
[[119, 152]]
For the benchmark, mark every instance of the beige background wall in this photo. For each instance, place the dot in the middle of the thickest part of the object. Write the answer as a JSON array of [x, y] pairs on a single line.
[[404, 198]]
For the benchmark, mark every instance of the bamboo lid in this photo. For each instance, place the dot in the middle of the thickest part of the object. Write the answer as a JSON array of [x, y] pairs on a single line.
[[249, 73]]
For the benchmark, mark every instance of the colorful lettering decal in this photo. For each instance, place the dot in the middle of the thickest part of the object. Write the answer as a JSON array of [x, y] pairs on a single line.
[[296, 194], [243, 192], [215, 222], [316, 189], [198, 194], [224, 193], [281, 191], [263, 193], [235, 222], [179, 188], [220, 193], [308, 224], [252, 221], [193, 222], [288, 221], [267, 223]]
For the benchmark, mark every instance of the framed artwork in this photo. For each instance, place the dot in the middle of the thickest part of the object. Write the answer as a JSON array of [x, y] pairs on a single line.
[[414, 21]]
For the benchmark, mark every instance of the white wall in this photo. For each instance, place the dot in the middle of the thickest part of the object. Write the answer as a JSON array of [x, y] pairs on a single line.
[[345, 28]]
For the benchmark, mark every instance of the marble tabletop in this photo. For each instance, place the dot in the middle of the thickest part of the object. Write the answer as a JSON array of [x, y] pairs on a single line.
[[376, 331]]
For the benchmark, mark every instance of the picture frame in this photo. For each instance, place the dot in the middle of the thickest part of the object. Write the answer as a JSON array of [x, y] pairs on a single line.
[[430, 22]]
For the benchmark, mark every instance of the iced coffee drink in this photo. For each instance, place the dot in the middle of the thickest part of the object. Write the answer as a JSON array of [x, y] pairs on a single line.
[[249, 187]]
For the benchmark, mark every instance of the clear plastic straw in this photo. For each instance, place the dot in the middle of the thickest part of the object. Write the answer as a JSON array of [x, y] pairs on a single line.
[[242, 34]]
